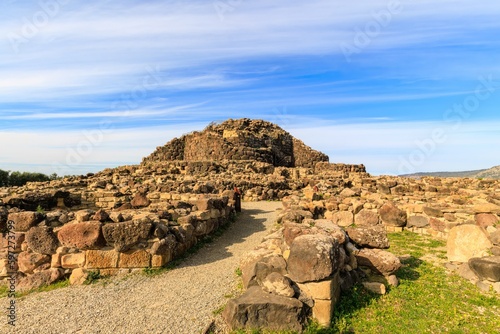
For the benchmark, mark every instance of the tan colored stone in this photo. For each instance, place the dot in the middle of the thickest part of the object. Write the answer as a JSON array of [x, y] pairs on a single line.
[[55, 261], [101, 259], [74, 260], [27, 262], [342, 218], [326, 290], [467, 241], [78, 276], [160, 260], [323, 312], [375, 287], [486, 208], [134, 259]]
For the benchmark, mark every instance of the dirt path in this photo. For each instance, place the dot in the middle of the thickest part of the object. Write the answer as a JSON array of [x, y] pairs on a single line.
[[182, 300]]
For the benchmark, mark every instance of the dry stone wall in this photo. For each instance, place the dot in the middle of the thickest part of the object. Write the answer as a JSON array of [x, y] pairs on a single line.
[[242, 139], [49, 246]]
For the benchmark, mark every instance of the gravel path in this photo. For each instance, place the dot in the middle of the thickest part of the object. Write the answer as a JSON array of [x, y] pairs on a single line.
[[182, 300]]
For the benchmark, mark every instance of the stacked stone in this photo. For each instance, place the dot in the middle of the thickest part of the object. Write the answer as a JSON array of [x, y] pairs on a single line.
[[299, 271], [242, 139], [58, 244]]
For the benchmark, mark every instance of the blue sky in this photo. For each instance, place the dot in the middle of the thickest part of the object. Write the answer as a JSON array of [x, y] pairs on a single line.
[[400, 86]]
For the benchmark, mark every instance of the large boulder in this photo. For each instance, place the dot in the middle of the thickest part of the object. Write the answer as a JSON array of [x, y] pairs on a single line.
[[85, 235], [342, 218], [257, 309], [127, 234], [379, 261], [23, 221], [467, 241], [369, 236], [42, 240], [27, 261], [486, 268], [366, 217], [391, 215], [313, 258], [39, 279]]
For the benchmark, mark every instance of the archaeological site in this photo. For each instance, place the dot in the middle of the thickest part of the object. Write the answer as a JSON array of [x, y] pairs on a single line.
[[330, 234]]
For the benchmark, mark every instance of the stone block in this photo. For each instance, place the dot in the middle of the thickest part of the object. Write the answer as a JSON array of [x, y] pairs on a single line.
[[322, 311], [467, 241], [84, 235], [73, 260], [135, 259], [96, 259]]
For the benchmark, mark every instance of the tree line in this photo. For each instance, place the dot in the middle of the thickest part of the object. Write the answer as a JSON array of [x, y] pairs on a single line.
[[11, 179]]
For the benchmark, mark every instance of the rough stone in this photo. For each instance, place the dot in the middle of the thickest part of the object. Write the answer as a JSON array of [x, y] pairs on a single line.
[[366, 217], [101, 216], [127, 234], [486, 268], [78, 276], [39, 279], [467, 241], [433, 212], [134, 259], [418, 221], [278, 284], [375, 287], [323, 311], [23, 221], [369, 236], [96, 259], [73, 260], [495, 237], [42, 240], [342, 218], [313, 258], [486, 219], [140, 201], [328, 227], [379, 261], [391, 215], [257, 309], [85, 235], [27, 262], [486, 208]]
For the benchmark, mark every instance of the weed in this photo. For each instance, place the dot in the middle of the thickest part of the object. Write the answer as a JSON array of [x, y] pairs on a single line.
[[238, 272], [40, 209], [93, 276], [219, 310]]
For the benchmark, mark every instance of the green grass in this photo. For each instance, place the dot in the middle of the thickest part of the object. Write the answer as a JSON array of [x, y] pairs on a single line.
[[59, 284], [428, 300]]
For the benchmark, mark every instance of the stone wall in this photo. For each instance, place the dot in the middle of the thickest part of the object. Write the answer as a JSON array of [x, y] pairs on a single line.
[[242, 139], [298, 272], [56, 244]]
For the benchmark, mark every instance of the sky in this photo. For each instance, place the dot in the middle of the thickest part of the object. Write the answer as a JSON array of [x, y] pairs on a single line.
[[400, 86]]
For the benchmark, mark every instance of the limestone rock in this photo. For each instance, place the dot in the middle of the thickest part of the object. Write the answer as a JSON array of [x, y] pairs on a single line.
[[380, 261], [375, 287], [27, 262], [39, 279], [487, 208], [313, 258], [486, 219], [391, 215], [486, 268], [467, 241], [369, 236], [78, 276], [140, 201], [23, 221], [366, 217], [256, 309], [418, 221], [278, 284], [42, 240], [127, 234], [85, 235], [342, 218]]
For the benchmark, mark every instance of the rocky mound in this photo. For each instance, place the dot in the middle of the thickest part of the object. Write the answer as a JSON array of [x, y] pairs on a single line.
[[241, 139]]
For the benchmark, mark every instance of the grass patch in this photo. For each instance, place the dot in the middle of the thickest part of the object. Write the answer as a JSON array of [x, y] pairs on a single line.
[[4, 290], [428, 300]]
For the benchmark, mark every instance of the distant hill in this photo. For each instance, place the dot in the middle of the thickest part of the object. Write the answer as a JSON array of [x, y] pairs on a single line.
[[491, 173]]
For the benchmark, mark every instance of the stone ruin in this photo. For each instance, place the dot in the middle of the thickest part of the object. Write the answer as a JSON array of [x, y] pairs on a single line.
[[236, 140], [132, 217]]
